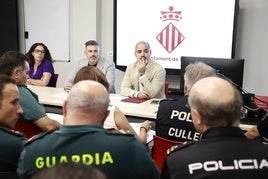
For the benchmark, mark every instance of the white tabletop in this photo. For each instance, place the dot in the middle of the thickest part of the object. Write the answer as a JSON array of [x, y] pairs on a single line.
[[56, 96], [49, 95], [144, 109]]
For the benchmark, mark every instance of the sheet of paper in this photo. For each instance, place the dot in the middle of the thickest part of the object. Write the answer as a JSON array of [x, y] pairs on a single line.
[[56, 117], [150, 133]]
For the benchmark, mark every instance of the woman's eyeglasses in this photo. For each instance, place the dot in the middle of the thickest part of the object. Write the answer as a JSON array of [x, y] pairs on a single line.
[[40, 51]]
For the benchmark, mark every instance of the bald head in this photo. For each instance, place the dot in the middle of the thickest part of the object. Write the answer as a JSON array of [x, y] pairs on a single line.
[[87, 100], [217, 101]]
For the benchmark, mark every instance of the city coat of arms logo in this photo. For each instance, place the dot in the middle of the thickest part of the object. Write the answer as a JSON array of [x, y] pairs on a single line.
[[170, 37]]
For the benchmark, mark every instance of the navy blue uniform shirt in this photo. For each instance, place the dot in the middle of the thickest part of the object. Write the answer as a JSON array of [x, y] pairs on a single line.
[[222, 153], [174, 121]]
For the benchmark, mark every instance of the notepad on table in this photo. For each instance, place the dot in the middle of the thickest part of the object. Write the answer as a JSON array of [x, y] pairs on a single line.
[[133, 100]]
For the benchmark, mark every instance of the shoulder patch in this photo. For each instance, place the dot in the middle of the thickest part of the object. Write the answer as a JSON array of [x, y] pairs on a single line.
[[120, 132], [172, 149], [36, 137], [17, 133], [12, 132], [179, 146]]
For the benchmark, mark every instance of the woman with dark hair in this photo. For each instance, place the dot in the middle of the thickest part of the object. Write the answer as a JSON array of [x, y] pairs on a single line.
[[41, 69]]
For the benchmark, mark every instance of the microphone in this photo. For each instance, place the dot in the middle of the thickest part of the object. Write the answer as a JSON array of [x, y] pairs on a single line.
[[243, 91], [221, 75]]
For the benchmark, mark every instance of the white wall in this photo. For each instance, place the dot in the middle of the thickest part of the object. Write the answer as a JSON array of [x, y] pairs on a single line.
[[93, 19], [252, 44], [82, 28]]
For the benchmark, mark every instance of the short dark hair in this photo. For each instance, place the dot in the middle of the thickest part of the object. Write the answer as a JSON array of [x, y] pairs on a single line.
[[4, 80], [91, 42], [11, 60]]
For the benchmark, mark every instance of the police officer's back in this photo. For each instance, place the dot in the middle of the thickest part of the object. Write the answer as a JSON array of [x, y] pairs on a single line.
[[223, 151], [174, 120], [83, 139]]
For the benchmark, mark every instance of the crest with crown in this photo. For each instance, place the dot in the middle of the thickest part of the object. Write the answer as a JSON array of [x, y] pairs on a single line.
[[170, 37], [171, 14]]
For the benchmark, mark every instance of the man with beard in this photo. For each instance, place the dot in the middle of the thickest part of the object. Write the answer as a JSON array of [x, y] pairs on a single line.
[[145, 78], [15, 65], [93, 58]]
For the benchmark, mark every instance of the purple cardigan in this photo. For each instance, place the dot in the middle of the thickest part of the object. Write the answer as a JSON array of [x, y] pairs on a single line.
[[45, 66]]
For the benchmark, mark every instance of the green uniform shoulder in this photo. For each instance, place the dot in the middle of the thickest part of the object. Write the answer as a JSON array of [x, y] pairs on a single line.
[[36, 137], [12, 132], [179, 147]]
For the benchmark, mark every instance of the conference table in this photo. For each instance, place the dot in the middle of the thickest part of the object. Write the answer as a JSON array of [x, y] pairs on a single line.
[[53, 98]]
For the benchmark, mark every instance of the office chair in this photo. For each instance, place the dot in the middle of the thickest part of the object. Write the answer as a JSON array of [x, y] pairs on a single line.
[[166, 89], [160, 148], [56, 76]]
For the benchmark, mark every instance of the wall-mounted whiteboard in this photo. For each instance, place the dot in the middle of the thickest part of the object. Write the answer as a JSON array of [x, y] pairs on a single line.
[[48, 22]]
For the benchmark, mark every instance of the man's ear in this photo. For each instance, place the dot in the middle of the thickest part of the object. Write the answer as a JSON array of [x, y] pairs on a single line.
[[185, 90], [64, 111], [197, 117], [198, 121], [16, 73], [64, 108]]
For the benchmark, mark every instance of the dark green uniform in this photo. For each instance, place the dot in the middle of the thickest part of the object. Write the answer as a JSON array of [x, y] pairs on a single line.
[[11, 145], [29, 102], [118, 155]]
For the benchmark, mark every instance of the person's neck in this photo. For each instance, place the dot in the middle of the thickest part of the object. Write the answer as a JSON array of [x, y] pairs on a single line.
[[37, 62], [81, 119], [92, 64]]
